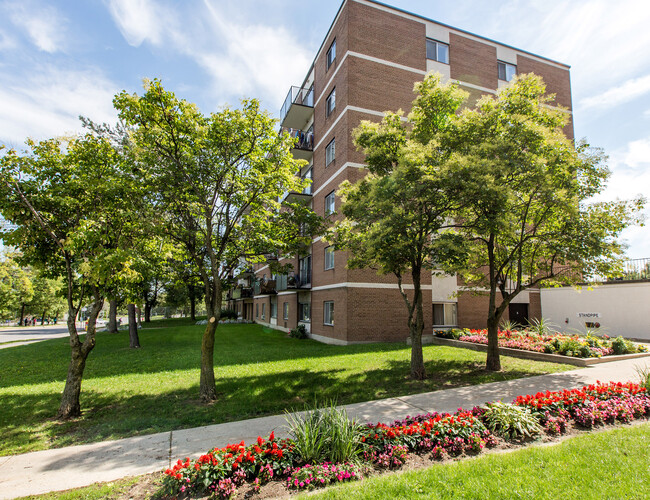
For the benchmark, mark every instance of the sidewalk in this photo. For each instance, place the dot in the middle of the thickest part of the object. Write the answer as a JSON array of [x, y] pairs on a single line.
[[76, 466]]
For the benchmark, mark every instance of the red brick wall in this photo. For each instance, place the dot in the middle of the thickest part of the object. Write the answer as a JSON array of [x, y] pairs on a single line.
[[473, 62], [387, 36]]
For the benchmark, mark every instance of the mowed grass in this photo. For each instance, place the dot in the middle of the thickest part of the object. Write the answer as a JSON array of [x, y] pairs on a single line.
[[259, 371], [612, 464]]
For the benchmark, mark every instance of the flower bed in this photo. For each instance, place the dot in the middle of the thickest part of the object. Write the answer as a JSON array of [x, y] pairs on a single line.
[[222, 471], [587, 346]]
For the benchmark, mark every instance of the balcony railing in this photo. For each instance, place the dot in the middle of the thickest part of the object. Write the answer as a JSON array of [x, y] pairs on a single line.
[[264, 287], [242, 293], [304, 140], [297, 108], [635, 269], [293, 281]]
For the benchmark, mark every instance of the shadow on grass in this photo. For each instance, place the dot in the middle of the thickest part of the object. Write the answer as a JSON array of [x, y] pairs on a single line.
[[117, 415]]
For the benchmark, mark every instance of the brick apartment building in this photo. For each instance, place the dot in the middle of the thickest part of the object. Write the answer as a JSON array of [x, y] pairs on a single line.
[[367, 64]]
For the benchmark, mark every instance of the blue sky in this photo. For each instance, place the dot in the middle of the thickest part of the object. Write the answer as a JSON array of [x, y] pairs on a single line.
[[60, 59]]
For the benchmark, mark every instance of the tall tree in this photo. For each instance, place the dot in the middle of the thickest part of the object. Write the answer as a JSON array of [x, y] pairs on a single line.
[[530, 223], [217, 182], [394, 215], [70, 202]]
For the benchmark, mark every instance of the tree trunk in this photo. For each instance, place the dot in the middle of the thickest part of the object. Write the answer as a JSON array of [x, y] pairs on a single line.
[[192, 295], [138, 312], [70, 406], [43, 317], [112, 316], [147, 313], [207, 385], [418, 372], [134, 340], [22, 315], [493, 359]]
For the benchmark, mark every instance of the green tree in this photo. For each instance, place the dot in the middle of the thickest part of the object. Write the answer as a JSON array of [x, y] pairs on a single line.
[[394, 215], [530, 223], [70, 204], [217, 180], [16, 288], [48, 299]]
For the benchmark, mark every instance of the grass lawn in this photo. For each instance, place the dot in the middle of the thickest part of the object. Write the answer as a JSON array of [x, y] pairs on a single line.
[[612, 464], [259, 371]]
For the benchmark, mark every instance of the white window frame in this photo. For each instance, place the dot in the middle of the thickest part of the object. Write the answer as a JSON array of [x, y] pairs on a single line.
[[331, 54], [449, 314], [328, 313], [330, 103], [274, 309], [263, 310], [330, 152], [506, 66], [285, 311], [329, 257], [330, 203], [440, 51]]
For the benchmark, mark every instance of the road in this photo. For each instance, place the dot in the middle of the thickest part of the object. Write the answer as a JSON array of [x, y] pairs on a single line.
[[19, 335]]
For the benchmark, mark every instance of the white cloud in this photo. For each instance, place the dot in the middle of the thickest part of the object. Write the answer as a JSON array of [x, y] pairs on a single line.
[[137, 20], [48, 102], [241, 59], [621, 94], [44, 25]]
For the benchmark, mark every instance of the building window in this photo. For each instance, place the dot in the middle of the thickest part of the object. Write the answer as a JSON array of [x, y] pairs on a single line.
[[304, 313], [285, 311], [330, 152], [438, 51], [263, 311], [274, 309], [331, 102], [506, 71], [329, 203], [329, 257], [328, 313], [331, 54], [257, 310], [444, 314]]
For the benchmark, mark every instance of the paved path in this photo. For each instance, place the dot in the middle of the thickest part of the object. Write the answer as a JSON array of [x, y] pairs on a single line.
[[19, 335], [76, 466]]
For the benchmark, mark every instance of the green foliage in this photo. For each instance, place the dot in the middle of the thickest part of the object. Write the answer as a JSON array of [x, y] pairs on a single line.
[[228, 314], [542, 327], [16, 286], [325, 435], [510, 421], [621, 345], [300, 332], [452, 333], [644, 377]]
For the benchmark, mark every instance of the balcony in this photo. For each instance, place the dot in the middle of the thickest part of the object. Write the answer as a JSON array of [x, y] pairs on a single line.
[[264, 287], [304, 195], [242, 293], [298, 108], [303, 148], [293, 281], [633, 270]]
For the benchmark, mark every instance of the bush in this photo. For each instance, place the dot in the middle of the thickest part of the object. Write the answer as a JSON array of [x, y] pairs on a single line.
[[453, 333], [228, 314], [510, 421], [623, 346], [325, 434], [300, 332]]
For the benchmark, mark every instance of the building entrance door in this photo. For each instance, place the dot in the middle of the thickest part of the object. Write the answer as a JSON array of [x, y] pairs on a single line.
[[518, 313]]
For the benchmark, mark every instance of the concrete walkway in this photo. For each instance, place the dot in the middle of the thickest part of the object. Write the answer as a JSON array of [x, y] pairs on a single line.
[[76, 466]]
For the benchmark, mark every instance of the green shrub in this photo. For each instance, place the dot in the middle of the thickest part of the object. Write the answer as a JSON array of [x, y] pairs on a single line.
[[542, 327], [228, 314], [453, 333], [569, 347], [325, 435], [300, 332], [510, 421], [623, 346]]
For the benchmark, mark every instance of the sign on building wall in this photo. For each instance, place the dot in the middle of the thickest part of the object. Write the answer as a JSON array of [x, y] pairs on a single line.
[[588, 315]]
